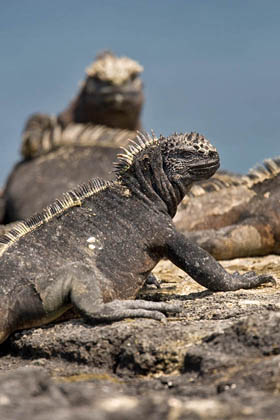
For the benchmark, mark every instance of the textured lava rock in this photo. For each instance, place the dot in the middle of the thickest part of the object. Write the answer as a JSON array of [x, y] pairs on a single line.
[[219, 359]]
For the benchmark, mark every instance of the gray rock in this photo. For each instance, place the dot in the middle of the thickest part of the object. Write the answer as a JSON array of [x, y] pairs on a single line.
[[220, 359]]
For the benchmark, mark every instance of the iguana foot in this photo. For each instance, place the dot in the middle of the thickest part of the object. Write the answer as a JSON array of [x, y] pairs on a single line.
[[121, 309], [251, 279]]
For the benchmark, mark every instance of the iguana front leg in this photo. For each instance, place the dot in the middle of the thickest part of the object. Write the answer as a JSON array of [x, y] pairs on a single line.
[[203, 268], [251, 237]]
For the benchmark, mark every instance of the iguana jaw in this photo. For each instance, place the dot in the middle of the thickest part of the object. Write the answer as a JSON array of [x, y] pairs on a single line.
[[118, 100], [204, 171], [119, 97]]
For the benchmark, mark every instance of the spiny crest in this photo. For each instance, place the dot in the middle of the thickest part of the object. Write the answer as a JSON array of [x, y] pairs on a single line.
[[191, 141], [126, 159], [269, 169], [219, 181], [67, 200], [44, 134], [110, 68]]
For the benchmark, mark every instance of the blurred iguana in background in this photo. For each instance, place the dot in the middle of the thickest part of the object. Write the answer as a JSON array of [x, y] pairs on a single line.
[[82, 141]]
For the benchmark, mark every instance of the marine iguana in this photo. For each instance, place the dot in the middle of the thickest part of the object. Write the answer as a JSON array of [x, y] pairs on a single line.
[[94, 248], [62, 151], [240, 220]]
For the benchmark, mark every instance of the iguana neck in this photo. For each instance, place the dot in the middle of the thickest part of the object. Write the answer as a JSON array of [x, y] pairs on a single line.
[[149, 180]]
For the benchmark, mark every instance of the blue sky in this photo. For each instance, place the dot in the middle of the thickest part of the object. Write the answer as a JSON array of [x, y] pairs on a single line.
[[210, 66]]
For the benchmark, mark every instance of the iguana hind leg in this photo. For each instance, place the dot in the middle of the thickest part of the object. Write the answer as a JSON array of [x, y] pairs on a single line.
[[78, 285], [251, 237]]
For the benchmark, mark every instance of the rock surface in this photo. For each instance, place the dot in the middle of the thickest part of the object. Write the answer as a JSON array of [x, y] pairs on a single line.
[[219, 360]]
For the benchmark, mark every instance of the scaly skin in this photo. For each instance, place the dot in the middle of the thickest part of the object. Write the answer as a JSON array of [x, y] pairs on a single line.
[[95, 247]]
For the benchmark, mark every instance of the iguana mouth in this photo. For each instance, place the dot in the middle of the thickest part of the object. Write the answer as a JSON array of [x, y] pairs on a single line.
[[118, 99], [205, 169], [213, 163]]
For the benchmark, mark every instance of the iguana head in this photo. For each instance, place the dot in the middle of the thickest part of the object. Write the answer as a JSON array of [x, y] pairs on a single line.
[[112, 94], [167, 166], [188, 157]]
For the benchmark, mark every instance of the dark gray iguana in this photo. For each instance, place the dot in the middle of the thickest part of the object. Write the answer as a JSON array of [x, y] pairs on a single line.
[[62, 151], [240, 220], [94, 248]]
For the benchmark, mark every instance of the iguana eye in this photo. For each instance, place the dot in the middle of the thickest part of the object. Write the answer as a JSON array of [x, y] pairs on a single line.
[[187, 154], [183, 155], [133, 76]]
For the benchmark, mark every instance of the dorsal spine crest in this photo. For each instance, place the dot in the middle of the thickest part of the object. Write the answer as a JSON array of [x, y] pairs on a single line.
[[38, 140], [126, 159], [269, 169], [61, 205]]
